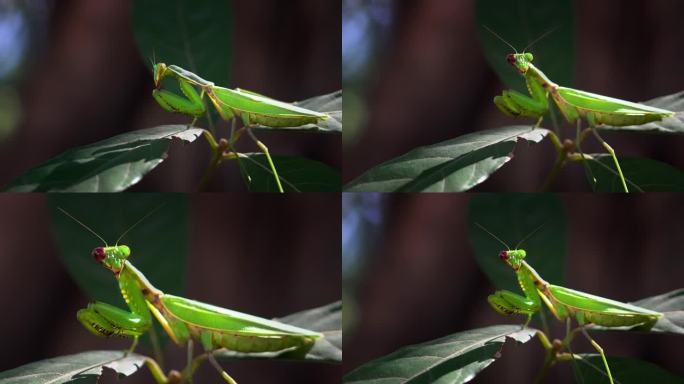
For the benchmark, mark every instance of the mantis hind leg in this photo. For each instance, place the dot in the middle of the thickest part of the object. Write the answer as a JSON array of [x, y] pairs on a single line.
[[610, 150], [600, 351], [264, 149], [221, 371]]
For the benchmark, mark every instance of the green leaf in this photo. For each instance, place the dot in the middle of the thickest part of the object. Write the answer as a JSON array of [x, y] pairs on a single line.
[[671, 304], [194, 35], [326, 319], [81, 368], [110, 165], [456, 358], [158, 243], [297, 174], [512, 217], [625, 370], [671, 125], [641, 174], [451, 166], [520, 23], [330, 104]]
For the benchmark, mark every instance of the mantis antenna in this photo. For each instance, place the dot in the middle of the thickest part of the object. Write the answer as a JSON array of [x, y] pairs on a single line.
[[529, 235], [83, 225], [505, 42], [139, 221], [543, 35], [494, 236]]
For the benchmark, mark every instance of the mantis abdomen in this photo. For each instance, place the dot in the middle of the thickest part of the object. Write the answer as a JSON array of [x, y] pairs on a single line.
[[218, 327], [253, 343]]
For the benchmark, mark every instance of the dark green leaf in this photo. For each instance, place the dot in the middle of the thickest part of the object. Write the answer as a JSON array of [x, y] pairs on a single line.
[[625, 370], [326, 319], [158, 243], [81, 368], [511, 217], [330, 104], [110, 165], [194, 35], [671, 304], [520, 23], [456, 358], [297, 174], [641, 174], [675, 124], [451, 166]]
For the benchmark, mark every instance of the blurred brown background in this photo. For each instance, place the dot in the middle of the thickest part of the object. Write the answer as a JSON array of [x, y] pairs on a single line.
[[414, 74], [410, 275], [82, 80], [243, 249]]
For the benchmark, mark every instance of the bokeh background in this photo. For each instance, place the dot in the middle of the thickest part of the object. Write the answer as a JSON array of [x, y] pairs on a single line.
[[266, 255], [410, 273], [71, 74], [415, 73]]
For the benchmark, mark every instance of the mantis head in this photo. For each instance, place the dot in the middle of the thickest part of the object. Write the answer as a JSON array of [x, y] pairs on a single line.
[[513, 257], [112, 258], [159, 73], [521, 61]]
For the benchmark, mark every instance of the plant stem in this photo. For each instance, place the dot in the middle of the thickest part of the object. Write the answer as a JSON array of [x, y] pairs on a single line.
[[555, 171], [217, 149]]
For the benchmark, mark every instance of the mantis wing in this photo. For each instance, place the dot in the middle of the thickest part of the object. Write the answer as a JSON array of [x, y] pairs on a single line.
[[222, 319], [599, 310], [609, 110], [251, 102]]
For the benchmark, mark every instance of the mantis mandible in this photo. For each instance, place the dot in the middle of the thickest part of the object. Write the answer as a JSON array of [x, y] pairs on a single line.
[[250, 107], [574, 104], [564, 303], [182, 319]]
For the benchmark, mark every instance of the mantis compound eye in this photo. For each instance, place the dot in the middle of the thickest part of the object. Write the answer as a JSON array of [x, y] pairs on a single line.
[[510, 59], [503, 255], [99, 254]]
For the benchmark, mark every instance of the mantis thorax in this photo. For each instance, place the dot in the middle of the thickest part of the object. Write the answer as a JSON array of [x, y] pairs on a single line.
[[513, 257], [521, 61], [112, 258]]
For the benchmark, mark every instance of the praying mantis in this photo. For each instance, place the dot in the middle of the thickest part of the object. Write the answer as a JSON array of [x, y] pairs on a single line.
[[252, 108], [564, 304], [182, 319], [573, 104]]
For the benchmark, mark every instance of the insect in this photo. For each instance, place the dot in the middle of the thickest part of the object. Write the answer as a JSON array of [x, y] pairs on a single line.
[[250, 107], [182, 319], [574, 104], [564, 303]]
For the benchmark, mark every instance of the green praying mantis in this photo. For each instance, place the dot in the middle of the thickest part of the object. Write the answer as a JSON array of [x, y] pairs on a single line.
[[573, 104], [252, 108], [182, 319], [564, 303]]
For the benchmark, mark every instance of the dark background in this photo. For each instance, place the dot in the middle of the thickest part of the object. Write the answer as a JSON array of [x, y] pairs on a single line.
[[415, 74], [410, 275], [81, 79], [265, 255]]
